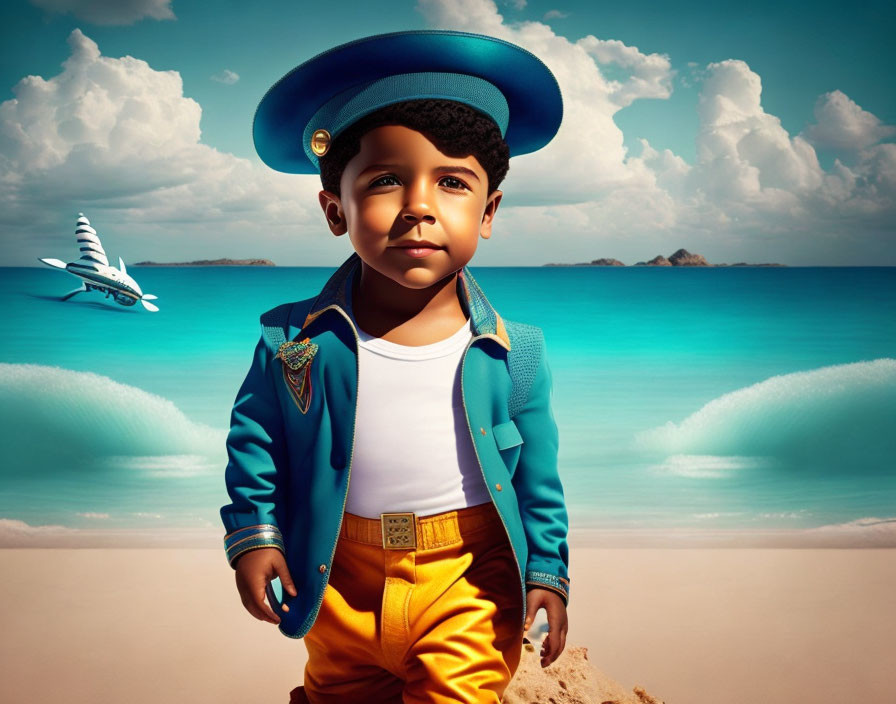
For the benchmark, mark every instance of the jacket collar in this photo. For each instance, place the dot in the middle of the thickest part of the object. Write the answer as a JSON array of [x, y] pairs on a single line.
[[486, 322]]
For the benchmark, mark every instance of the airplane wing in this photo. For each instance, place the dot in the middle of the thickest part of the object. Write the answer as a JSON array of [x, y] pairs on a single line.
[[57, 263]]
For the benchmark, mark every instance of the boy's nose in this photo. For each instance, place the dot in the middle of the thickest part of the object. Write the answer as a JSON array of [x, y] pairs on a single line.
[[415, 215], [416, 206], [417, 210]]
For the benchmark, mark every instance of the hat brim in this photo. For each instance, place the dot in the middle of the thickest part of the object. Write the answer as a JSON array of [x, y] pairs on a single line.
[[532, 93]]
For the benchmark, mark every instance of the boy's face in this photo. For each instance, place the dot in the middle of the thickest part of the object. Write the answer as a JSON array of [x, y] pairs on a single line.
[[400, 188]]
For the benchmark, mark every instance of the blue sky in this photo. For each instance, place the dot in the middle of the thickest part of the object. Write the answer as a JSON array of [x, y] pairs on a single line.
[[779, 195]]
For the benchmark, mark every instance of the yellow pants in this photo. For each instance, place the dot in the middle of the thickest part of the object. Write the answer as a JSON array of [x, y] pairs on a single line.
[[441, 622]]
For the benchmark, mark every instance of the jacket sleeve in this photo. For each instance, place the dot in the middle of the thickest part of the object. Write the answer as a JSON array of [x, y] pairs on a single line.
[[538, 488], [256, 466]]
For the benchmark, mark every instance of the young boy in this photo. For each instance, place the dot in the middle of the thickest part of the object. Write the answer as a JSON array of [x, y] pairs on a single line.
[[417, 579]]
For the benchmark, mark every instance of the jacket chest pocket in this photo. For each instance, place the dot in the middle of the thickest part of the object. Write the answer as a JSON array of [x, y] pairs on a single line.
[[509, 441]]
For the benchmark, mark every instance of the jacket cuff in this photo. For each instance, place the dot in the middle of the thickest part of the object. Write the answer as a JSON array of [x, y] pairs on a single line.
[[543, 580], [264, 535]]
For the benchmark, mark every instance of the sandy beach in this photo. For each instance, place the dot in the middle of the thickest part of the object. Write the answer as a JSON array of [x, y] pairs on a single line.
[[690, 625]]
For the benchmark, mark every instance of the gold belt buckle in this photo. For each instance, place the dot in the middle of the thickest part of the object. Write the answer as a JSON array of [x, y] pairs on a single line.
[[399, 531]]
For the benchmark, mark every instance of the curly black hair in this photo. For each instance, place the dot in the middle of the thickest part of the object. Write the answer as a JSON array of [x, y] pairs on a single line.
[[455, 128]]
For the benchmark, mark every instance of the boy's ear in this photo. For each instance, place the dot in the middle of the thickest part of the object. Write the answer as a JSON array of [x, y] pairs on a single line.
[[491, 206], [332, 207]]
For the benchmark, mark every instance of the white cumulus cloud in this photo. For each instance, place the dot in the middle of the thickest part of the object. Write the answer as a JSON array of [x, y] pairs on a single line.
[[842, 124], [744, 154], [650, 74]]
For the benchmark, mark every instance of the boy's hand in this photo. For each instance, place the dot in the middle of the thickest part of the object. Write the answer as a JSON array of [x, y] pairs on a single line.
[[254, 569], [555, 640]]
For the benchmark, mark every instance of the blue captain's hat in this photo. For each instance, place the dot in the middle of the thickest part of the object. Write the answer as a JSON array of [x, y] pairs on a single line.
[[304, 111]]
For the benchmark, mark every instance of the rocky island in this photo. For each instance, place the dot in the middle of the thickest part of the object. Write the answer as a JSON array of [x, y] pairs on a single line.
[[681, 257], [212, 262]]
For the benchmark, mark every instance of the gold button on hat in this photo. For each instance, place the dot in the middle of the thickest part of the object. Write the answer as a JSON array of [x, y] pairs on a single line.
[[320, 142]]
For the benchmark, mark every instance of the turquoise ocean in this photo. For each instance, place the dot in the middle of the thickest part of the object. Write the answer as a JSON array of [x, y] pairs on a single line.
[[686, 398]]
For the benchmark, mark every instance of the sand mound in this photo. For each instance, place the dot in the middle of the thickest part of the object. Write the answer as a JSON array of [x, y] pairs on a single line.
[[572, 679]]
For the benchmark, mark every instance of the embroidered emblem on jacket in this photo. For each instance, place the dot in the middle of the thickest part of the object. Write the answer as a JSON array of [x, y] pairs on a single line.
[[297, 358]]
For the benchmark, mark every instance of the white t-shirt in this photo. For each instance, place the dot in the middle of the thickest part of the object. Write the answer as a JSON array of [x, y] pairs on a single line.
[[412, 447]]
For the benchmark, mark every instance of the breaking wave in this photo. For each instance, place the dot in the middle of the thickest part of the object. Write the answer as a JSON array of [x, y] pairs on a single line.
[[54, 420], [834, 420]]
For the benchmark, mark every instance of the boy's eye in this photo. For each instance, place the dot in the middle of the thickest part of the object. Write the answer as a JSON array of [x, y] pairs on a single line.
[[380, 181], [454, 183]]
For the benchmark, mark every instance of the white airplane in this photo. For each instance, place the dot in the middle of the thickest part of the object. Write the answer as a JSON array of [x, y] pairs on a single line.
[[97, 274]]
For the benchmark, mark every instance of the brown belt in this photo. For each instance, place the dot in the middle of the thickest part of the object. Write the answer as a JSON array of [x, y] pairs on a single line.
[[408, 531]]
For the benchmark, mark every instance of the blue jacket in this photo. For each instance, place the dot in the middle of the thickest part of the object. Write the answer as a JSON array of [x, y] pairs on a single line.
[[288, 471]]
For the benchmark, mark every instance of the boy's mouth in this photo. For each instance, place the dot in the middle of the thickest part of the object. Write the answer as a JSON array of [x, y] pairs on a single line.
[[418, 248], [418, 251]]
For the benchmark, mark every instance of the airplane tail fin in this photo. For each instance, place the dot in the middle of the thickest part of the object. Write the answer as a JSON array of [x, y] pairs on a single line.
[[89, 243]]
